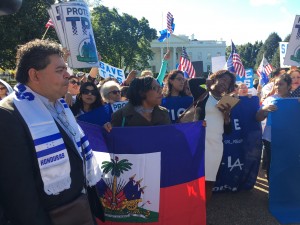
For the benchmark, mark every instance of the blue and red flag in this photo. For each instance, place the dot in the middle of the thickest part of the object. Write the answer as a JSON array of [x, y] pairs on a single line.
[[186, 65], [148, 179], [264, 70], [234, 63]]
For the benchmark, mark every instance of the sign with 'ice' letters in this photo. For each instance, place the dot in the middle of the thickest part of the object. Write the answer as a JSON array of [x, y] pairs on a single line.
[[78, 33]]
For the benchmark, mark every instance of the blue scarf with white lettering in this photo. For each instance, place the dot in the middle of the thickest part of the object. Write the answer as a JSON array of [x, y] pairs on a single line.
[[50, 149]]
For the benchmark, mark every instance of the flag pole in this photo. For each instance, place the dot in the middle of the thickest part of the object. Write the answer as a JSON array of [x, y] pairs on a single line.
[[45, 33]]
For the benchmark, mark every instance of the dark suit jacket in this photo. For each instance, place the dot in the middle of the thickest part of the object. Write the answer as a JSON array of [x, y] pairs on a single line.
[[21, 187]]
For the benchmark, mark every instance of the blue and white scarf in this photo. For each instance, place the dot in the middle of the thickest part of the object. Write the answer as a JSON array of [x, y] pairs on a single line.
[[50, 149]]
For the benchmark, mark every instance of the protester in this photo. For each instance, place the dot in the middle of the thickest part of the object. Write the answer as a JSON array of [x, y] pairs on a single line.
[[73, 90], [146, 73], [175, 83], [110, 92], [144, 96], [295, 75], [87, 99], [5, 89], [186, 88], [268, 89], [43, 173], [162, 72], [242, 89], [217, 119], [124, 90], [282, 87]]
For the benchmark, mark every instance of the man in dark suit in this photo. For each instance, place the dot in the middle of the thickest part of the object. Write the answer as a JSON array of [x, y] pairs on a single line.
[[34, 183]]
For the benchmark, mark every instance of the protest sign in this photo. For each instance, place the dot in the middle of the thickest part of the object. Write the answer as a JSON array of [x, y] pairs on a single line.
[[118, 105], [55, 17], [77, 32], [282, 49], [247, 79], [218, 63], [292, 57], [106, 70]]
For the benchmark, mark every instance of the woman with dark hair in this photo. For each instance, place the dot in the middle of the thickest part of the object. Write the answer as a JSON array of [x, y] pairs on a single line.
[[175, 84], [5, 89], [87, 99], [282, 87], [144, 96], [217, 119]]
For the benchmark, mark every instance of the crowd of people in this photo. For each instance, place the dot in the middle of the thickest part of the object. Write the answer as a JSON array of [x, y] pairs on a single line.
[[42, 112]]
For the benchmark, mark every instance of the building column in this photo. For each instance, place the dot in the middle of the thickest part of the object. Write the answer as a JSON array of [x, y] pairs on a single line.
[[174, 58], [161, 54]]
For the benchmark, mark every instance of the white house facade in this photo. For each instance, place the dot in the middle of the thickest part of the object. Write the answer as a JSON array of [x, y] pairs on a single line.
[[200, 52]]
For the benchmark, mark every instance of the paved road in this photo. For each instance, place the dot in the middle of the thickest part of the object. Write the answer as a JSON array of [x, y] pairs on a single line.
[[242, 208]]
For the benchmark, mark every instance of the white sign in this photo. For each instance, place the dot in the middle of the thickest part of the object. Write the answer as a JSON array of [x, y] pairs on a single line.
[[218, 63], [106, 70], [55, 17], [76, 29], [282, 49], [118, 105], [292, 57]]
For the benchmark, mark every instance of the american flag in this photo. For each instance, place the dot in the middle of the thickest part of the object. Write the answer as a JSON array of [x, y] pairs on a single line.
[[185, 64], [170, 20], [234, 63], [264, 70], [49, 24]]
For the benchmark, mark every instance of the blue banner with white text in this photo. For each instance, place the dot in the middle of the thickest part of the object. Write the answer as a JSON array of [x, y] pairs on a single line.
[[284, 194], [176, 105], [242, 149]]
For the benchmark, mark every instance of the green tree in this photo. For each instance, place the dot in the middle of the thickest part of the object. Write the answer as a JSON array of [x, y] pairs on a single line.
[[248, 53], [268, 49], [116, 168], [25, 25], [123, 40]]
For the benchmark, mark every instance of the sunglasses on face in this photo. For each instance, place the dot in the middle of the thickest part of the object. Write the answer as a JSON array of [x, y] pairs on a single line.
[[74, 82], [115, 92], [2, 88], [87, 92]]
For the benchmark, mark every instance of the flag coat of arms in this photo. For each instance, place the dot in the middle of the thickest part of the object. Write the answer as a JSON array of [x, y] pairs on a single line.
[[148, 179]]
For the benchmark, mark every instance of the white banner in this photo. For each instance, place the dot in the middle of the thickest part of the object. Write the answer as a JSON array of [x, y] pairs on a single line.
[[292, 57], [218, 63], [106, 70], [55, 17], [76, 30], [282, 49]]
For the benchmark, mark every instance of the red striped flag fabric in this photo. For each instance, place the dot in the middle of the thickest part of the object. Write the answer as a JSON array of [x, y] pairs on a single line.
[[170, 20], [267, 67], [186, 65], [234, 63], [49, 24]]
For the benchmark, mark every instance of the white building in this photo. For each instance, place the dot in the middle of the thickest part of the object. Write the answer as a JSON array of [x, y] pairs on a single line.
[[200, 52]]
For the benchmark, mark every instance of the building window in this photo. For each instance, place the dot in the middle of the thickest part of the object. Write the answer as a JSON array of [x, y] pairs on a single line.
[[208, 55], [190, 54], [176, 55], [218, 53], [208, 68]]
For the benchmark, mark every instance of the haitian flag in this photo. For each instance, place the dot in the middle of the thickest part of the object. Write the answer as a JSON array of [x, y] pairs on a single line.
[[284, 195], [242, 149], [176, 105], [149, 179]]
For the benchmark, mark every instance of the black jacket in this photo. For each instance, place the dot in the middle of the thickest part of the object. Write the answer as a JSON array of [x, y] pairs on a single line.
[[22, 193]]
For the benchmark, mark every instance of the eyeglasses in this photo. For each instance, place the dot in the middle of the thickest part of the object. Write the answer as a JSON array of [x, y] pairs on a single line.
[[2, 88], [87, 92], [115, 92], [179, 79], [156, 88], [74, 82]]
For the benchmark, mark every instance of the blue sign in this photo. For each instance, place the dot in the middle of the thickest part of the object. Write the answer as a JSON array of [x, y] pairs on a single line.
[[247, 79]]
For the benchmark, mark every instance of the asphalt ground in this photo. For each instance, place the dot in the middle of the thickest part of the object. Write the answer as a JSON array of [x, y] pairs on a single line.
[[242, 208]]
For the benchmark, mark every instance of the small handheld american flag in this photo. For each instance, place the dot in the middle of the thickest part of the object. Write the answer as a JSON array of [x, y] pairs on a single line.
[[170, 20], [49, 24], [185, 64]]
